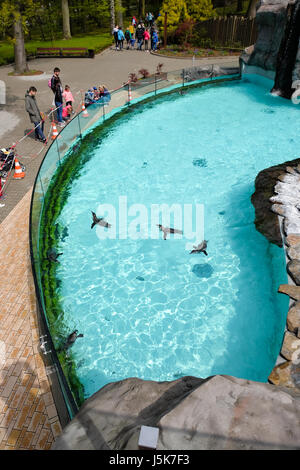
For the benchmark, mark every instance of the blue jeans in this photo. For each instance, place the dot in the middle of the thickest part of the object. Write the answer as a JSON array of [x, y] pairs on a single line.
[[39, 131], [59, 111], [140, 43]]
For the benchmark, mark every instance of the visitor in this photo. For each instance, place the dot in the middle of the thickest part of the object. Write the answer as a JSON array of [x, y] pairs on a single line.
[[68, 97], [34, 114], [56, 87], [147, 19], [128, 37], [131, 29], [104, 94], [134, 22], [121, 38], [96, 93], [139, 34], [146, 39], [115, 33], [150, 19], [154, 41], [66, 112]]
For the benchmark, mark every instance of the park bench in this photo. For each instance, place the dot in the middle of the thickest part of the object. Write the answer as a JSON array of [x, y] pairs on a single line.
[[65, 52]]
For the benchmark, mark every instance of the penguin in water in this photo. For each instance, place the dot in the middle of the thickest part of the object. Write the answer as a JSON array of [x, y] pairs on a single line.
[[201, 248], [71, 340], [100, 221], [52, 255], [167, 230]]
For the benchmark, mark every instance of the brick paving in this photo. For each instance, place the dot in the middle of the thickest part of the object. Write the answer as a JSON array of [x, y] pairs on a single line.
[[28, 417]]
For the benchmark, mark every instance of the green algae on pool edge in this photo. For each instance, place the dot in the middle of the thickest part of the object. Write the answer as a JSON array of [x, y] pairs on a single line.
[[146, 307]]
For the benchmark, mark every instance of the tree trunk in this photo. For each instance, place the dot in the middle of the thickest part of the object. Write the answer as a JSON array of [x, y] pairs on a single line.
[[66, 19], [120, 13], [112, 15], [239, 6], [251, 11], [141, 7], [21, 65]]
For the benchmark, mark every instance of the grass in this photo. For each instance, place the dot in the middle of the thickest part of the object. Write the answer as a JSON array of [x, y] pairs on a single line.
[[180, 51], [97, 41]]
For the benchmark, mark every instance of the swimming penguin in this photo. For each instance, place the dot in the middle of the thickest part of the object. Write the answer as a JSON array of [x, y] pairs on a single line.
[[100, 221], [71, 339], [167, 230], [52, 256], [200, 248]]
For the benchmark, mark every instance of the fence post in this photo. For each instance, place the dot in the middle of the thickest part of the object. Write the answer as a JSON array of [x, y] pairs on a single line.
[[183, 77], [155, 85], [79, 126]]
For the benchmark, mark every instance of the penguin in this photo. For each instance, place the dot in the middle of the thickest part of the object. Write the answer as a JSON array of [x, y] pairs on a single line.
[[71, 340], [52, 256], [100, 221], [201, 248], [167, 230]]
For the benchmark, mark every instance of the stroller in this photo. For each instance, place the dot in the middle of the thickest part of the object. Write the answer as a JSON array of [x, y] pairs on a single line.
[[6, 157]]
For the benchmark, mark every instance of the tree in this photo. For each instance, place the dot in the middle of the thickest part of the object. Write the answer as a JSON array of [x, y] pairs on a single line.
[[13, 16], [200, 10], [177, 12], [112, 15], [66, 19], [251, 11]]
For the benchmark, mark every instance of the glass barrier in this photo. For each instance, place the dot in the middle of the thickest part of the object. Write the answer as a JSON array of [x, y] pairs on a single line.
[[62, 147]]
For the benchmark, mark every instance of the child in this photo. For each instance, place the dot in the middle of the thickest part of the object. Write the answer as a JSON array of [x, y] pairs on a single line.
[[128, 37], [66, 112], [146, 39], [68, 97], [96, 93]]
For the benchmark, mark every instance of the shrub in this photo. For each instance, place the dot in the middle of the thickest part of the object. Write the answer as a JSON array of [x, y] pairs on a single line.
[[144, 72], [133, 78]]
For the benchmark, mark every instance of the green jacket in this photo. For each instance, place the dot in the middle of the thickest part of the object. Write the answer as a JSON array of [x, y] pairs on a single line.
[[32, 108]]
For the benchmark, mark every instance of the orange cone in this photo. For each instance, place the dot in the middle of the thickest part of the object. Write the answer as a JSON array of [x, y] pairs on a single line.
[[54, 131], [19, 174], [85, 113]]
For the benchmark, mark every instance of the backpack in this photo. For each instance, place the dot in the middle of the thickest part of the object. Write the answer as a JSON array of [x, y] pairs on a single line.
[[49, 82]]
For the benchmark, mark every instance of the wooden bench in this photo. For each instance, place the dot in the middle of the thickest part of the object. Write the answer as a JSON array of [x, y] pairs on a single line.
[[65, 52]]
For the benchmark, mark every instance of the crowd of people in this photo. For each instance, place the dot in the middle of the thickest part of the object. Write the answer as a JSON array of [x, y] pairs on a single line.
[[63, 101], [139, 33]]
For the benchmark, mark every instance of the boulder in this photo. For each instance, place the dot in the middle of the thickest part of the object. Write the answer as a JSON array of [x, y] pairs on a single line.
[[290, 344], [220, 413], [292, 240], [266, 221], [294, 252], [291, 291], [281, 375], [271, 18], [293, 268], [293, 318]]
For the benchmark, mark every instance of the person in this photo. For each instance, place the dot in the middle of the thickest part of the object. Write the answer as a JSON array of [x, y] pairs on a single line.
[[115, 33], [139, 37], [121, 38], [104, 94], [35, 114], [56, 87], [128, 37], [96, 93], [134, 22], [68, 97], [150, 18], [154, 41], [66, 112], [146, 39], [131, 29]]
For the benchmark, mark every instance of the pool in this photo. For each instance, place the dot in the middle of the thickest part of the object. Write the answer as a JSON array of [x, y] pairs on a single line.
[[146, 307]]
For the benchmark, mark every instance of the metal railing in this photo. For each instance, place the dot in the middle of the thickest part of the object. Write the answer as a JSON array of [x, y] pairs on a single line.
[[59, 152]]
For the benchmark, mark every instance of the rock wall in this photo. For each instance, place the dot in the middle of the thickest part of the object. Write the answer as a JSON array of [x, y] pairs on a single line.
[[266, 221], [272, 17], [219, 413]]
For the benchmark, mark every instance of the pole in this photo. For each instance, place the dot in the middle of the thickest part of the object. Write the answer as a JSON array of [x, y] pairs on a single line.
[[165, 30]]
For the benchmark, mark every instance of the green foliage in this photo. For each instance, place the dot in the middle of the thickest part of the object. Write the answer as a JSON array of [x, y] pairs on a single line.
[[200, 10], [177, 12]]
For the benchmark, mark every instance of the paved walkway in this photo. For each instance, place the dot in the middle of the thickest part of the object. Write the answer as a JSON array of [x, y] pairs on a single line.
[[28, 417]]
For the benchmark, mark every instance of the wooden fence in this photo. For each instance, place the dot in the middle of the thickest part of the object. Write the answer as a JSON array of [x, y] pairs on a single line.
[[233, 31]]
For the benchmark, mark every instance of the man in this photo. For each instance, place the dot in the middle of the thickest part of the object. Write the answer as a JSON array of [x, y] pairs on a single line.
[[56, 87], [34, 114], [139, 37]]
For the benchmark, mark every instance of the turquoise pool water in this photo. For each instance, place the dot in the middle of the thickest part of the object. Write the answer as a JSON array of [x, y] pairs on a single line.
[[147, 308]]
